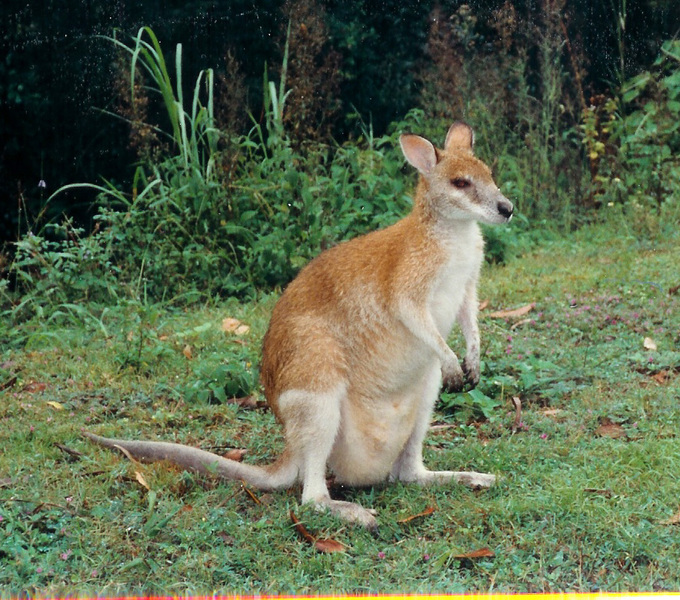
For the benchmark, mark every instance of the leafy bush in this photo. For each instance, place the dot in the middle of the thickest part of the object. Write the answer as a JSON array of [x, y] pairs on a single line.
[[633, 141], [210, 214], [217, 380], [64, 264]]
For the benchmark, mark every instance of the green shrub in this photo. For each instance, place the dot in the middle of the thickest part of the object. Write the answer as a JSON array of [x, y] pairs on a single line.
[[211, 215], [217, 377], [633, 143]]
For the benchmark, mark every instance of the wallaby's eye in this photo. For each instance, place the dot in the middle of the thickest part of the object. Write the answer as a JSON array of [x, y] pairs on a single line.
[[460, 183]]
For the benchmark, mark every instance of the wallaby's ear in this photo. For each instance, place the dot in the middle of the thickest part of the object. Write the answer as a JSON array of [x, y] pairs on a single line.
[[460, 136], [419, 152]]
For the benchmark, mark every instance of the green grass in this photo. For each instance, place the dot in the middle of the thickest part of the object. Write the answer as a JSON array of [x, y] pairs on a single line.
[[588, 480]]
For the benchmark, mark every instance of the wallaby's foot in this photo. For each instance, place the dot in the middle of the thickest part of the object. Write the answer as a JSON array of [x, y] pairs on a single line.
[[469, 478], [350, 512], [476, 480]]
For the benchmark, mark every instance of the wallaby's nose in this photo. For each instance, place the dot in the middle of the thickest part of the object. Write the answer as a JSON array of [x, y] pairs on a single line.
[[505, 209]]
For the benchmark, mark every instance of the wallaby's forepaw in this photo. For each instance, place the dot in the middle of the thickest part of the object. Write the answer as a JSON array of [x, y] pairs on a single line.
[[453, 378], [350, 512], [471, 370]]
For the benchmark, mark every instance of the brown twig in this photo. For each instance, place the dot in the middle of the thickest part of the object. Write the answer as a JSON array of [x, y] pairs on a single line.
[[516, 424], [69, 451]]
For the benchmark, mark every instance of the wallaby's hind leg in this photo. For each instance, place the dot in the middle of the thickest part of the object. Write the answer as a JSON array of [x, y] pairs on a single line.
[[314, 437], [409, 467]]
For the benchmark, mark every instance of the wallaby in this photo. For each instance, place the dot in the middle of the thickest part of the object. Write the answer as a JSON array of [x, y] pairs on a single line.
[[356, 352]]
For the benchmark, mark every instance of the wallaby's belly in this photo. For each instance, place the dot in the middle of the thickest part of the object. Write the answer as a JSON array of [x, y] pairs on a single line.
[[378, 418]]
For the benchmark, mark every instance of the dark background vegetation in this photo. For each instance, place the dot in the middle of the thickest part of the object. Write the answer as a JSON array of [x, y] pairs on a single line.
[[56, 74]]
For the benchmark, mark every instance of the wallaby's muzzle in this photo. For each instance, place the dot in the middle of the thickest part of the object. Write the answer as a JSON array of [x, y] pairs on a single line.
[[505, 208]]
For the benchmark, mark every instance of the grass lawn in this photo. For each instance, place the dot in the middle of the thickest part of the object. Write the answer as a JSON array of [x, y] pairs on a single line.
[[589, 497]]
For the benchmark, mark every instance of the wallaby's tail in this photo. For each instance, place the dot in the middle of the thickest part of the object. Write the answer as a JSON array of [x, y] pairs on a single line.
[[280, 474]]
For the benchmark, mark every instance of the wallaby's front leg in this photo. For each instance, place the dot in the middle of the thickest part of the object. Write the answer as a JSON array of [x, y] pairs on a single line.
[[453, 377], [467, 319], [420, 323]]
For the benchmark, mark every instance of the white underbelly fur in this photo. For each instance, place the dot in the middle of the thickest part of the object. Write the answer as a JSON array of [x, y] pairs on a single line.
[[374, 431]]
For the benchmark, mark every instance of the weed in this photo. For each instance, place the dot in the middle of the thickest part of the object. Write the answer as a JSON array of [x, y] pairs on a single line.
[[313, 74]]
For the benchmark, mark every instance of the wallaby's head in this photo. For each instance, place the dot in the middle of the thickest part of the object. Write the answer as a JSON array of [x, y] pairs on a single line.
[[457, 185]]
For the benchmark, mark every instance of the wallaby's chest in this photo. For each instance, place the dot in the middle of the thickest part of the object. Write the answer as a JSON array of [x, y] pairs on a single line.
[[457, 274]]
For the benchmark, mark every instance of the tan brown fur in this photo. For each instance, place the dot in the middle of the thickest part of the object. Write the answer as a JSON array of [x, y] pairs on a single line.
[[356, 348]]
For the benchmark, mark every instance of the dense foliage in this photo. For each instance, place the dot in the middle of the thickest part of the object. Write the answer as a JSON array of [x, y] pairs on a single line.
[[363, 57], [228, 202]]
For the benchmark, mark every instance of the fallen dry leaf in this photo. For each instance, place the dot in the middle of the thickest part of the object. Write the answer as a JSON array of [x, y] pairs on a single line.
[[552, 412], [140, 478], [443, 426], [301, 529], [250, 493], [231, 325], [322, 545], [600, 492], [512, 314], [56, 405], [674, 520], [236, 454], [34, 387], [649, 344], [481, 553], [428, 511], [610, 430], [484, 304], [674, 290], [520, 323], [188, 353], [69, 451], [138, 474], [248, 402], [661, 377], [328, 546]]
